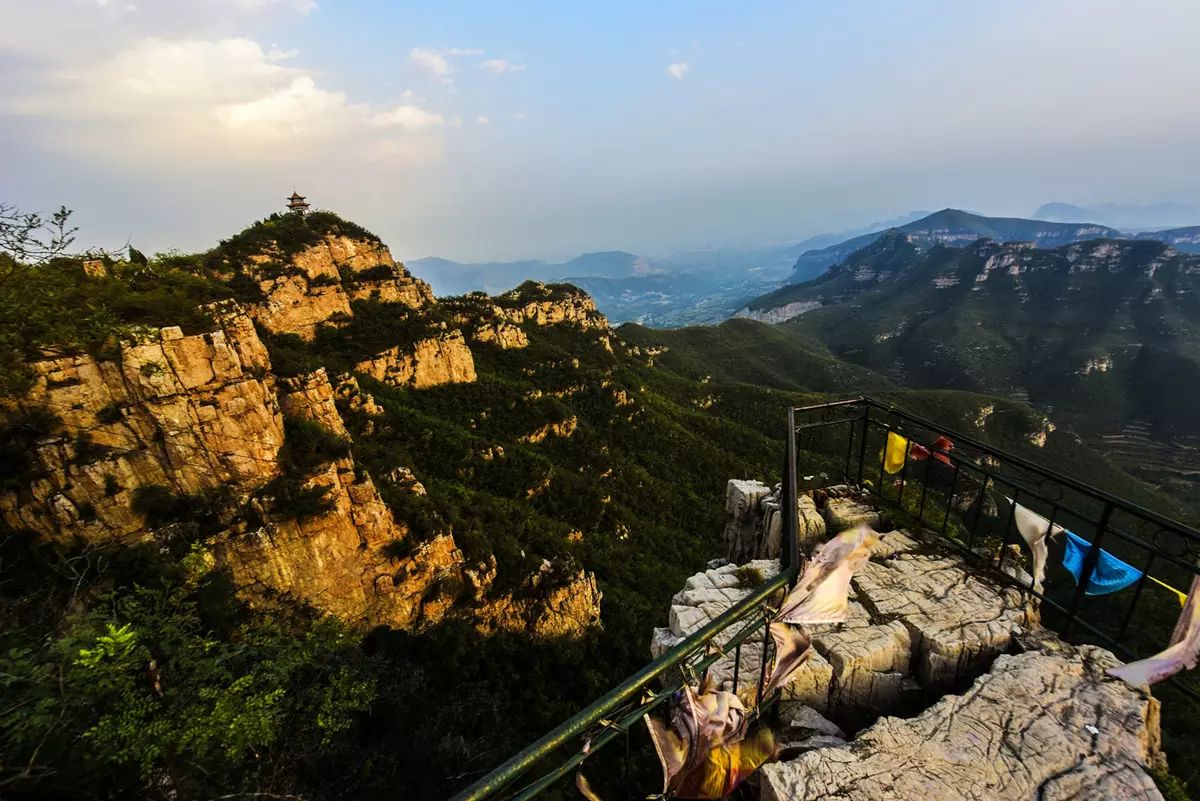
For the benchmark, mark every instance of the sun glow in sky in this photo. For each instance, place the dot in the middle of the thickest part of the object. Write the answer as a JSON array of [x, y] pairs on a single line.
[[482, 130]]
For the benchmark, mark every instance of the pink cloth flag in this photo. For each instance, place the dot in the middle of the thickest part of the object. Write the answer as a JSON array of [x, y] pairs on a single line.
[[1182, 653], [821, 595]]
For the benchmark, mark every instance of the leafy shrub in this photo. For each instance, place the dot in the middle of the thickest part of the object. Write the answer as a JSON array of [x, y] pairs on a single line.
[[289, 499], [290, 355], [148, 688], [308, 445], [19, 434], [749, 576]]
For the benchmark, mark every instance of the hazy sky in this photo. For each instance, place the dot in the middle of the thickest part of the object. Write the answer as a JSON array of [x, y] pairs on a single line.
[[478, 130]]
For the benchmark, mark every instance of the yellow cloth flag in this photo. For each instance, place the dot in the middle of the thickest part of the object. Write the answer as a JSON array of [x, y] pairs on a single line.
[[1182, 596], [894, 453]]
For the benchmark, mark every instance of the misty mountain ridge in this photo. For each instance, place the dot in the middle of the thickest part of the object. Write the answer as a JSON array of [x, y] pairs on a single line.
[[954, 226], [1101, 333], [1127, 216]]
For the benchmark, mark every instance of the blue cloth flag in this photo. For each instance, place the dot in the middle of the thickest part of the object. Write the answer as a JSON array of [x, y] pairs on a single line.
[[1110, 575]]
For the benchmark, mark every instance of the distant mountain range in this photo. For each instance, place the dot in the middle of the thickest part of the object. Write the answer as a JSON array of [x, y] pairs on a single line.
[[1105, 333], [1126, 216], [953, 226], [455, 278], [701, 287], [692, 287]]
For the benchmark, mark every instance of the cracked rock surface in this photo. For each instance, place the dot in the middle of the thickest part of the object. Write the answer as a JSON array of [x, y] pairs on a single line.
[[1020, 731]]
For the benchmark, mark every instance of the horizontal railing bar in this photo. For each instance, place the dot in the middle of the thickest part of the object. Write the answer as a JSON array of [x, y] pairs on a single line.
[[623, 724], [1079, 486], [588, 717]]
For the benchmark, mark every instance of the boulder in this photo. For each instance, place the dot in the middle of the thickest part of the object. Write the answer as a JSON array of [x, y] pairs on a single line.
[[1037, 725], [847, 513], [958, 622]]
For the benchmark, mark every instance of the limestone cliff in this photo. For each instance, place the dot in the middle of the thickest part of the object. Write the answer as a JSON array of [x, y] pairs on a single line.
[[318, 284], [190, 415], [501, 321], [443, 359], [185, 412]]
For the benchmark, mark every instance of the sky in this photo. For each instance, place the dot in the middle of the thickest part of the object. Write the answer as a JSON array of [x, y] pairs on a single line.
[[479, 130]]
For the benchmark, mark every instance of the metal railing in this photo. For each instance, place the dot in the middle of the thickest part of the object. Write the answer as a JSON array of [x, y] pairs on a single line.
[[959, 494]]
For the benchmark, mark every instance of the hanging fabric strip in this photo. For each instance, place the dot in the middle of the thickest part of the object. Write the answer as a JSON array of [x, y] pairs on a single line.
[[1034, 530], [1182, 596], [1182, 652], [708, 748], [894, 453], [1110, 574], [943, 443], [820, 596]]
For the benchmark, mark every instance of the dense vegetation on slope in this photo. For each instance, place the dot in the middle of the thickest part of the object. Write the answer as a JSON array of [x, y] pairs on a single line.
[[136, 671], [1101, 334]]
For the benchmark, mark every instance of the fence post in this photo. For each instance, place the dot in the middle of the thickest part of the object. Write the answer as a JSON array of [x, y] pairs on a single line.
[[1089, 566], [862, 445], [790, 522]]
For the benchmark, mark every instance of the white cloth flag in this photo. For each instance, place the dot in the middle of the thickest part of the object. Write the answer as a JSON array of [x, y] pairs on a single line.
[[1034, 530]]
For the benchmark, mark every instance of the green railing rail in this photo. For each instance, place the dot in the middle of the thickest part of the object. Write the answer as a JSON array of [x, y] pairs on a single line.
[[629, 690], [636, 686], [971, 466]]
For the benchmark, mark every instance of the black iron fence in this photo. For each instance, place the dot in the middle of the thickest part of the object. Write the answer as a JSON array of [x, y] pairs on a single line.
[[956, 487]]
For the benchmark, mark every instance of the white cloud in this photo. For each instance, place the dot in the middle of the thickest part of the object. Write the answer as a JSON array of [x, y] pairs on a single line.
[[483, 119], [213, 101], [291, 112], [409, 117], [438, 62], [257, 6], [432, 61], [500, 66], [186, 70], [678, 69]]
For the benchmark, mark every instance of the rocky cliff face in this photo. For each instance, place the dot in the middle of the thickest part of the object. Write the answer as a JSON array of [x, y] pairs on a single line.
[[443, 359], [190, 415], [1041, 718], [184, 412], [319, 284]]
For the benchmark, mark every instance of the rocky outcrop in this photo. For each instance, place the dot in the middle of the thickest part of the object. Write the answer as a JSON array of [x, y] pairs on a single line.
[[339, 561], [958, 622], [183, 412], [1042, 720], [778, 314], [919, 625], [704, 597], [563, 429], [550, 603], [318, 284], [522, 305], [443, 359], [505, 335], [754, 528], [1037, 725]]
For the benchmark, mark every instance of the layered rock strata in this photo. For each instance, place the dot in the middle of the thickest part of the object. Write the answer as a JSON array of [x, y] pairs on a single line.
[[443, 359], [319, 284], [1037, 725]]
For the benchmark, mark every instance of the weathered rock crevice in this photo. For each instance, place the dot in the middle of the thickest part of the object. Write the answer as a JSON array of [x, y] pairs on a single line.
[[319, 284], [921, 628]]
